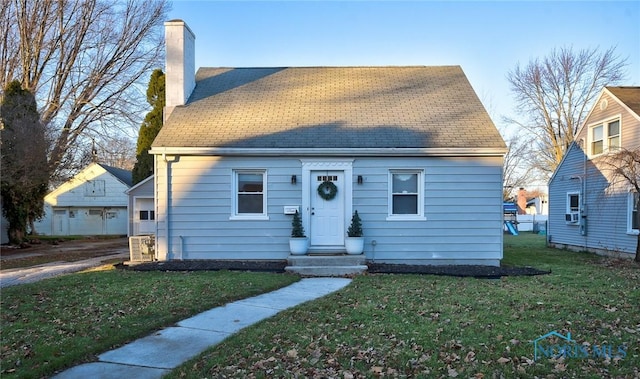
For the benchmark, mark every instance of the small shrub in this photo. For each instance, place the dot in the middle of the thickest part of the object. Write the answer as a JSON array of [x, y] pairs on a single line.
[[297, 230], [355, 229]]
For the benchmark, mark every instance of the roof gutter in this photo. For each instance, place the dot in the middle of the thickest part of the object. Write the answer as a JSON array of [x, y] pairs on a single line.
[[377, 152]]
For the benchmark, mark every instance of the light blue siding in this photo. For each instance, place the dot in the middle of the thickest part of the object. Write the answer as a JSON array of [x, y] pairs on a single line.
[[606, 202], [605, 209], [462, 207]]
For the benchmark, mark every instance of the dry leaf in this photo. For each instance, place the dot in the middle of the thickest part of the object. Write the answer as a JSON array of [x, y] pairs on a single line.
[[292, 353], [560, 367], [453, 373], [471, 356], [503, 360]]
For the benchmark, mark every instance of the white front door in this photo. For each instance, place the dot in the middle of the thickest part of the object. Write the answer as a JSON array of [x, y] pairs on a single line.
[[327, 216], [60, 222], [144, 217]]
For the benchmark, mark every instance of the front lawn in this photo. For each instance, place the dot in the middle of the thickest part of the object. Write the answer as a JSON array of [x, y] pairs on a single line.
[[380, 325], [434, 326], [57, 323]]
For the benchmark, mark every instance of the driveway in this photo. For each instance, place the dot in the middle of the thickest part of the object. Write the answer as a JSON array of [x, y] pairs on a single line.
[[97, 250]]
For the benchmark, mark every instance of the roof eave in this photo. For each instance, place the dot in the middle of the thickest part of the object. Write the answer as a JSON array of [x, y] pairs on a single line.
[[379, 152]]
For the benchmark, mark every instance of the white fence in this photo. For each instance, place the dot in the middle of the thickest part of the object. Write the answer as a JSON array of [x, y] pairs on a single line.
[[532, 223]]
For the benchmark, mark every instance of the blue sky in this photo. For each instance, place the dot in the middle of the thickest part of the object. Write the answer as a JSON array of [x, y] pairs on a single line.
[[488, 39]]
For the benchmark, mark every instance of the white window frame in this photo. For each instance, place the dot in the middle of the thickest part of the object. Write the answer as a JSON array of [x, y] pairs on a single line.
[[568, 206], [420, 211], [95, 188], [151, 215], [606, 138], [630, 202], [234, 196]]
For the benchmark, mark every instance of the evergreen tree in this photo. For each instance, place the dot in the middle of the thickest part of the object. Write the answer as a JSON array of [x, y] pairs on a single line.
[[150, 127], [25, 176], [355, 229], [297, 230]]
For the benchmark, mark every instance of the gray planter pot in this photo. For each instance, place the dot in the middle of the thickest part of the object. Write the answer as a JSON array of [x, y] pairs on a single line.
[[354, 245], [298, 246]]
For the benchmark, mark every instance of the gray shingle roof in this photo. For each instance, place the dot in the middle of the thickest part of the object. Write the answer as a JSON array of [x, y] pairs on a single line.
[[121, 174], [337, 107], [629, 96]]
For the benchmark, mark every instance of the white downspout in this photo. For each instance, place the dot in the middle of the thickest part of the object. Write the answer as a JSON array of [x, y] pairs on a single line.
[[167, 203]]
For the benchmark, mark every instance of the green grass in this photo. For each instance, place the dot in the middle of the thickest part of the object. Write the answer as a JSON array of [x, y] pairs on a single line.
[[434, 326], [380, 325], [57, 323]]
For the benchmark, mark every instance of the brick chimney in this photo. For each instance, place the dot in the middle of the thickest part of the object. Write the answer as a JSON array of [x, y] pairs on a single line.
[[522, 201], [180, 70]]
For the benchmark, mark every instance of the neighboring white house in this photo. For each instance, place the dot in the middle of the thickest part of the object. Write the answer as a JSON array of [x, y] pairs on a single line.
[[412, 149], [587, 211], [93, 202], [142, 214]]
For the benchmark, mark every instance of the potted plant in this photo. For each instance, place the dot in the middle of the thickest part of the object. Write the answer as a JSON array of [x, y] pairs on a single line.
[[354, 242], [298, 243]]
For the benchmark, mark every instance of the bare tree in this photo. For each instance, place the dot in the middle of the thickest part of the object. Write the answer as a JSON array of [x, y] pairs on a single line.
[[117, 152], [624, 167], [84, 60], [554, 94], [516, 172]]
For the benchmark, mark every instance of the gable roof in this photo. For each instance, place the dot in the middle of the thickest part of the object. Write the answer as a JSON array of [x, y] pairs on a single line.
[[414, 107], [90, 173], [121, 174], [140, 184], [628, 96]]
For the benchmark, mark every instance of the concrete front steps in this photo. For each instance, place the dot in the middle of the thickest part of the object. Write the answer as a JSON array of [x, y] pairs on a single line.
[[326, 264]]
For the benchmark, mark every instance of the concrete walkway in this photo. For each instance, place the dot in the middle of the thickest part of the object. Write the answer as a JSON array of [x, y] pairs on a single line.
[[32, 274], [157, 354]]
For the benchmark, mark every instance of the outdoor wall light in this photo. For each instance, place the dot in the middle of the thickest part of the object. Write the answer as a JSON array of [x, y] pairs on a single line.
[[294, 179], [360, 179]]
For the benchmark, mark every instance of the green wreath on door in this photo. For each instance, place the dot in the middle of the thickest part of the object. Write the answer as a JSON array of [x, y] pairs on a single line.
[[327, 190]]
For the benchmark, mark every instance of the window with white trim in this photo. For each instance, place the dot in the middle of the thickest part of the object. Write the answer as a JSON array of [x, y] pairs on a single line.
[[572, 215], [406, 194], [573, 202], [604, 137], [250, 200], [147, 215], [632, 212]]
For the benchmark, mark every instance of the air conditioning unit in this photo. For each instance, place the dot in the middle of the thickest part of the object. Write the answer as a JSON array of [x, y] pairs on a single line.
[[142, 248], [572, 217]]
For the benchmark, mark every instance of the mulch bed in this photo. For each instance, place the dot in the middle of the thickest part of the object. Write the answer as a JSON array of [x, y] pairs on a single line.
[[489, 272]]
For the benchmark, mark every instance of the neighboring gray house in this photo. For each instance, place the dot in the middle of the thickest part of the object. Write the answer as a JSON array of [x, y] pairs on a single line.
[[142, 215], [93, 202], [411, 148], [586, 210]]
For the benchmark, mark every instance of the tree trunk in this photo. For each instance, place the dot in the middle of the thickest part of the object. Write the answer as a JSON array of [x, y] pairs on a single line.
[[32, 227], [16, 236]]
